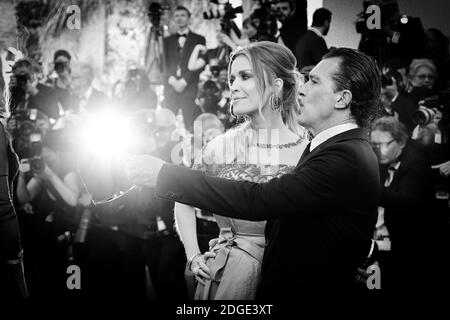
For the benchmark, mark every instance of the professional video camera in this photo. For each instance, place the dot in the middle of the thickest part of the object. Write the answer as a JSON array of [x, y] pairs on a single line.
[[430, 107], [226, 16], [155, 11]]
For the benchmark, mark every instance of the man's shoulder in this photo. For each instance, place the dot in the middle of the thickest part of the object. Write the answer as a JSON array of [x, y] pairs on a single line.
[[197, 36]]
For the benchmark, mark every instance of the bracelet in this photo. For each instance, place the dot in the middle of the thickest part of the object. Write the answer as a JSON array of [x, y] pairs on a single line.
[[191, 259]]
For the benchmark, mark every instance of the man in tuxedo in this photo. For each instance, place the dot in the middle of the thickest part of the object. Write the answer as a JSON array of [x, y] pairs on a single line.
[[311, 46], [181, 84], [321, 216], [406, 202], [84, 96]]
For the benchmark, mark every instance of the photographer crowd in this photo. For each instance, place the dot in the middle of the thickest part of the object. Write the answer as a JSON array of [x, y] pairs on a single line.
[[72, 208]]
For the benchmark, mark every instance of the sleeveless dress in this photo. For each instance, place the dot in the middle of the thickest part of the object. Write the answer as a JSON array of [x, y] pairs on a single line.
[[239, 249]]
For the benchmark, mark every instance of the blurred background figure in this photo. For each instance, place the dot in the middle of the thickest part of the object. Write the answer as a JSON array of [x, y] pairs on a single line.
[[85, 98], [134, 92], [182, 84], [311, 47]]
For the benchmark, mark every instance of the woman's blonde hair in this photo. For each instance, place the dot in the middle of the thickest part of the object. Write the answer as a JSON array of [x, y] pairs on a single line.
[[270, 61]]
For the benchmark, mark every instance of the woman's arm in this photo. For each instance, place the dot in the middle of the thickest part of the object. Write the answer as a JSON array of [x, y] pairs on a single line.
[[27, 192], [186, 225], [69, 189], [195, 62]]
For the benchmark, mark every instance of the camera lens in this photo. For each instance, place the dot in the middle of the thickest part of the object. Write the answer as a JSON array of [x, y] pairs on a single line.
[[37, 165]]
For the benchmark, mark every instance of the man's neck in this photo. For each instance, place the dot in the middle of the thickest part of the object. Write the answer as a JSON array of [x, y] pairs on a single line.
[[183, 30], [320, 29], [327, 125]]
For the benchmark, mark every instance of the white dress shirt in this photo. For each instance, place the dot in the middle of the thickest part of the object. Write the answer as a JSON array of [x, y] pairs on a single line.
[[331, 132]]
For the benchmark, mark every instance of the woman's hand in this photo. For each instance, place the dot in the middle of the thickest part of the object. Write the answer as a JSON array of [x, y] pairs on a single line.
[[199, 268]]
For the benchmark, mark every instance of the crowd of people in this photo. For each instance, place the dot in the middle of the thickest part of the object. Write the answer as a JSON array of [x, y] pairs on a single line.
[[380, 115]]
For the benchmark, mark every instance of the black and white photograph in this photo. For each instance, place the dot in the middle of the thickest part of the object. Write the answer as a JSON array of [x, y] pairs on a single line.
[[224, 159]]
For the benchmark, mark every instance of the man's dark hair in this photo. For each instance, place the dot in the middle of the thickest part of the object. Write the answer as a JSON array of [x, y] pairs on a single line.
[[61, 52], [358, 73], [320, 16], [183, 8]]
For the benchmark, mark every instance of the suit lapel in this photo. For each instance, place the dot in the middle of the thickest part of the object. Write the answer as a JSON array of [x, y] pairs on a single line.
[[357, 133]]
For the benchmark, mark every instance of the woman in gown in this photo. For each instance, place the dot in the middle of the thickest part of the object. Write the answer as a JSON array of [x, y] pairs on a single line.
[[263, 82]]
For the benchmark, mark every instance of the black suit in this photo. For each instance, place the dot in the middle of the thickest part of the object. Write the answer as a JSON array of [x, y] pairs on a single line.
[[97, 101], [321, 216], [310, 49], [175, 58], [407, 203]]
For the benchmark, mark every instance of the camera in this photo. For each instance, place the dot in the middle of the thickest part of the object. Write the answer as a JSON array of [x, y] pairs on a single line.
[[60, 67], [430, 107], [22, 79], [155, 11], [226, 16]]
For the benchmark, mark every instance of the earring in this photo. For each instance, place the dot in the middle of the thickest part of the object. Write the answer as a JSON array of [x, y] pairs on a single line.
[[275, 103], [231, 111]]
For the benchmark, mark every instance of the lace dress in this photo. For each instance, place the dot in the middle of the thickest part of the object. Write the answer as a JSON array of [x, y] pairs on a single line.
[[235, 270]]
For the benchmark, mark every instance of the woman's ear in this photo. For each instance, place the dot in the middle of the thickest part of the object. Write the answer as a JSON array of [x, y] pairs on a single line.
[[278, 86], [344, 98]]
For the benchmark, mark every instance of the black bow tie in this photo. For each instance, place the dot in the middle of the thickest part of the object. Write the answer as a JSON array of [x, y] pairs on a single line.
[[181, 35]]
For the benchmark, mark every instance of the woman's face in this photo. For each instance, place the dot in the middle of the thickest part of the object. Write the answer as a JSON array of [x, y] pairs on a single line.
[[424, 77], [245, 96]]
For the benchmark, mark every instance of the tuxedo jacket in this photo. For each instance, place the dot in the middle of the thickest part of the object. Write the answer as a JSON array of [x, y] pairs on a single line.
[[174, 58], [310, 49], [321, 216]]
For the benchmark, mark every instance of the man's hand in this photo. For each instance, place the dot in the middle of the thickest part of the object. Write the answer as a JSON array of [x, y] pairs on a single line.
[[143, 169], [444, 168], [179, 85]]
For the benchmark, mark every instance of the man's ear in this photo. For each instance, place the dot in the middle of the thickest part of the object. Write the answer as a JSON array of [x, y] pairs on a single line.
[[278, 84], [344, 98]]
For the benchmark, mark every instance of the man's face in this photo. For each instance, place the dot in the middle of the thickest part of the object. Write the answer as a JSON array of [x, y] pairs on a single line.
[[285, 9], [181, 19], [424, 77], [245, 96], [318, 97], [386, 147]]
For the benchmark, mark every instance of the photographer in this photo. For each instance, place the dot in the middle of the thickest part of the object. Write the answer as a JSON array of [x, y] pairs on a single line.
[[393, 99], [27, 93], [50, 175], [47, 191], [292, 15], [399, 36], [59, 77], [407, 203]]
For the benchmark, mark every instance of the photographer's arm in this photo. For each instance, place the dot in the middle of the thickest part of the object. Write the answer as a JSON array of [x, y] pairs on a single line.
[[69, 189], [26, 192]]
